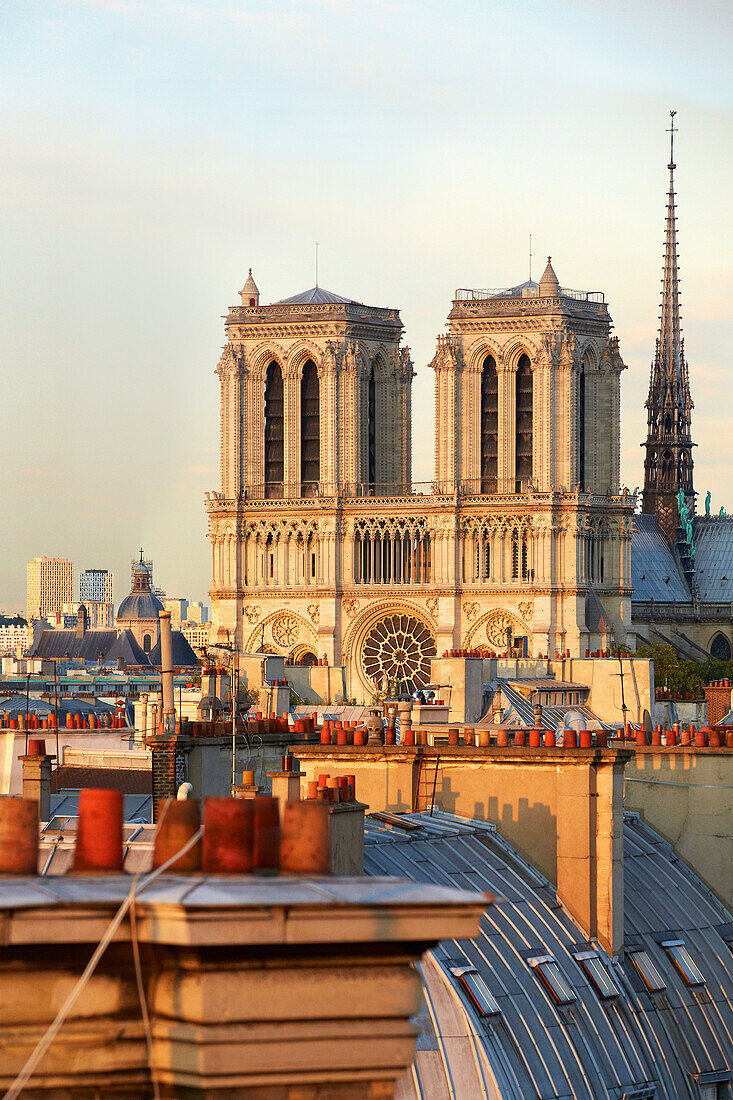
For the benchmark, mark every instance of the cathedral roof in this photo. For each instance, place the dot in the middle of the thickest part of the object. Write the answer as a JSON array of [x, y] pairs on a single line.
[[713, 542], [315, 295], [655, 572], [527, 289]]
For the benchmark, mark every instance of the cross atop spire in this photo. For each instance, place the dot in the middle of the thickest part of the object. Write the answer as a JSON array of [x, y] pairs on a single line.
[[672, 131], [668, 464]]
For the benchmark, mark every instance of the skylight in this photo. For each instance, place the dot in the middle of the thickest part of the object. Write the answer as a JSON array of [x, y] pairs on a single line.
[[598, 973], [481, 997], [651, 977], [549, 973], [684, 962]]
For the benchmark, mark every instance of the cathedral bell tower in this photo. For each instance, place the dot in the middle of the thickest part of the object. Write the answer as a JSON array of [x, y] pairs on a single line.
[[668, 491]]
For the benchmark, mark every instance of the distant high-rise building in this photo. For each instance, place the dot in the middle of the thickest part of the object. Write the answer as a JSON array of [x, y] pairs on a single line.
[[100, 615], [196, 635], [50, 586], [198, 613], [97, 585], [178, 608]]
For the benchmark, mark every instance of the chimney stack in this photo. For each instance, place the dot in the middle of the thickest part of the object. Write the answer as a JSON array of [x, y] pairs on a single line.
[[166, 674], [37, 776]]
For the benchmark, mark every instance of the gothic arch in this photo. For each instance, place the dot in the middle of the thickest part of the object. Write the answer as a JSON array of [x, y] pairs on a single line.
[[588, 357], [299, 355], [488, 630], [514, 351], [263, 355], [284, 631], [480, 350], [380, 362], [720, 647]]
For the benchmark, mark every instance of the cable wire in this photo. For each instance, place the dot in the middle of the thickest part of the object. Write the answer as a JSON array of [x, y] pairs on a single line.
[[53, 1029]]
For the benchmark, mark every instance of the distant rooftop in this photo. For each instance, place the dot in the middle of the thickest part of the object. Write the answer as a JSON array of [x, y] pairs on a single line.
[[315, 295], [547, 287]]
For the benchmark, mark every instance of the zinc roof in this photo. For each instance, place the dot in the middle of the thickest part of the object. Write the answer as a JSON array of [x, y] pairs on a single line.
[[713, 541], [591, 1048], [316, 294], [520, 711], [655, 572]]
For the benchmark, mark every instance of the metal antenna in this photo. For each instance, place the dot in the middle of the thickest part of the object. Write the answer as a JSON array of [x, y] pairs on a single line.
[[316, 263], [530, 257]]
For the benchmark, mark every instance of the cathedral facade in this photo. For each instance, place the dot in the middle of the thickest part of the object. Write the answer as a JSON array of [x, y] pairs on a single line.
[[323, 548]]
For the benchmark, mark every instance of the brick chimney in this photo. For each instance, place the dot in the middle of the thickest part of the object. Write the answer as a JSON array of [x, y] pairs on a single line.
[[718, 698]]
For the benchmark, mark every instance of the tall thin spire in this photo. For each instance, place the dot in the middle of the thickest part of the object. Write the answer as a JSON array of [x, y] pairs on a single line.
[[668, 464]]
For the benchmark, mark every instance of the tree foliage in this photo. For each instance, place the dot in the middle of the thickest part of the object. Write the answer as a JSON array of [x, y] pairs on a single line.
[[680, 675]]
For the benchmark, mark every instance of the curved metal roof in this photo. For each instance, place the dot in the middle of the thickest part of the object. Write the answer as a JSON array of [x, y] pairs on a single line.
[[594, 1046]]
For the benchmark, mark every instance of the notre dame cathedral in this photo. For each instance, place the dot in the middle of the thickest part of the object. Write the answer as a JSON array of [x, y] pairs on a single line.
[[322, 545]]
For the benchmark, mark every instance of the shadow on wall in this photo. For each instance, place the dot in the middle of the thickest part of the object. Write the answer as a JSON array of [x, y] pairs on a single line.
[[531, 827]]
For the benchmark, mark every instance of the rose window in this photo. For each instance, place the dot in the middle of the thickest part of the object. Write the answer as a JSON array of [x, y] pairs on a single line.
[[398, 649]]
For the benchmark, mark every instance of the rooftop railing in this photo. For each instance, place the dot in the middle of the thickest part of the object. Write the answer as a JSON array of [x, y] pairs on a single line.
[[465, 294]]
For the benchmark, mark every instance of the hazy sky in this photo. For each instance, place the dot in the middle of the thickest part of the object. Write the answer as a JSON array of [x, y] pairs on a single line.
[[153, 151]]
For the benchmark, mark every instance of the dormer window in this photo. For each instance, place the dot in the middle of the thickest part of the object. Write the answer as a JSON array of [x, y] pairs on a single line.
[[551, 977], [648, 971], [684, 962], [599, 974], [479, 994]]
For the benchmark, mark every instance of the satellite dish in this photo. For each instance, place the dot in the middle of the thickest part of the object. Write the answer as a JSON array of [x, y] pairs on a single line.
[[647, 722]]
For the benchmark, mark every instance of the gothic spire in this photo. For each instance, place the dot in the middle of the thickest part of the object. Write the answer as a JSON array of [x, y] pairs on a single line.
[[670, 349], [668, 464]]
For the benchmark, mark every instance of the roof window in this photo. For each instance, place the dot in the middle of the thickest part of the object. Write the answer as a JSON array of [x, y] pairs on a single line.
[[549, 973], [684, 962], [481, 997], [651, 977], [599, 974]]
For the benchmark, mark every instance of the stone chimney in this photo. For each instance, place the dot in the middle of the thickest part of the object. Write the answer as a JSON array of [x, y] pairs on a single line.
[[37, 776], [81, 621], [166, 674], [561, 808]]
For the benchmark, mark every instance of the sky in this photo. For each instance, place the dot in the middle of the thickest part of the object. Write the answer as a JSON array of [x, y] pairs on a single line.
[[153, 151]]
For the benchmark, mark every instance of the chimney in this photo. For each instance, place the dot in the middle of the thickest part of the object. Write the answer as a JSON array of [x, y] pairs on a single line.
[[166, 674], [560, 807], [81, 621], [37, 776]]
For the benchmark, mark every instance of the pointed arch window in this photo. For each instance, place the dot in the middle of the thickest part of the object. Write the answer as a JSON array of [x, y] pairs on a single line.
[[523, 448], [371, 429], [720, 648], [274, 432], [489, 426], [310, 431], [581, 424]]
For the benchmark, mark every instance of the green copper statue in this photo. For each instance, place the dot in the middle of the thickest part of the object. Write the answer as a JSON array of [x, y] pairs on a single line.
[[707, 503]]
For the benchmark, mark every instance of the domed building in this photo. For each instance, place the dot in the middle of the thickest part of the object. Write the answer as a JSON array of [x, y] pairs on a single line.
[[138, 612]]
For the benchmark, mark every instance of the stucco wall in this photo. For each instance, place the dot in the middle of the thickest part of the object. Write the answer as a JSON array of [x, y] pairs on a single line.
[[687, 797]]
